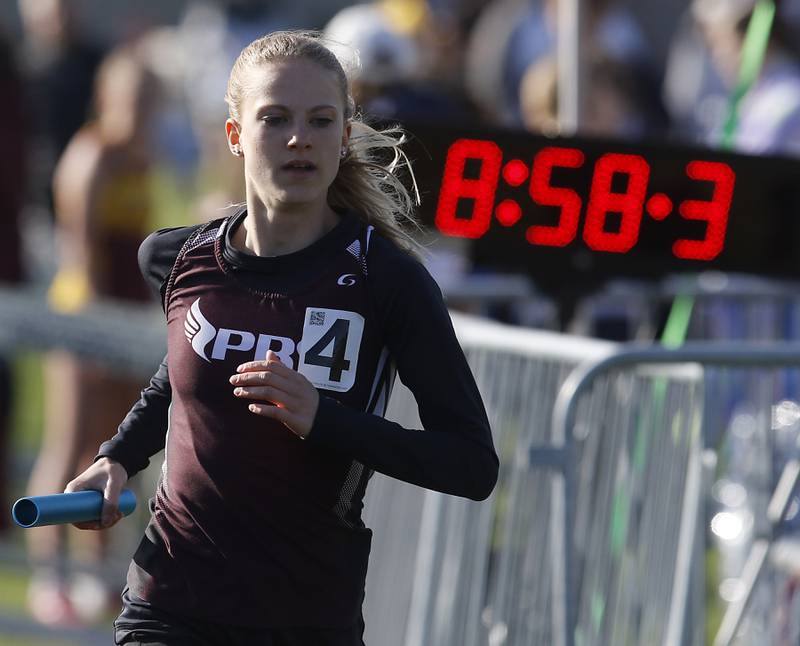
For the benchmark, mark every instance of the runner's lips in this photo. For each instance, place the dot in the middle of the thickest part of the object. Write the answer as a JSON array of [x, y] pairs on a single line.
[[298, 164]]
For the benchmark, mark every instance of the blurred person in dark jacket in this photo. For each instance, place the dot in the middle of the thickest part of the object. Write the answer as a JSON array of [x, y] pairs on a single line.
[[12, 183], [400, 57], [58, 66]]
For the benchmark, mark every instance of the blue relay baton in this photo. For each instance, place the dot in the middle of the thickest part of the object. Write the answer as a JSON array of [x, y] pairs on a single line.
[[62, 508]]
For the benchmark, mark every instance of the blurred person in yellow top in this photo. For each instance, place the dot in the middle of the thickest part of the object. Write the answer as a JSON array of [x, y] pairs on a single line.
[[103, 209]]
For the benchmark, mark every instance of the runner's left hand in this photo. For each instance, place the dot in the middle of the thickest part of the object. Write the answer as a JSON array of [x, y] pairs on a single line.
[[294, 397]]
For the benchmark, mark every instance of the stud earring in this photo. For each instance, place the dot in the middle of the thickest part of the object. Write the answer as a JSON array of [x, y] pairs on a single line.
[[343, 154], [237, 151]]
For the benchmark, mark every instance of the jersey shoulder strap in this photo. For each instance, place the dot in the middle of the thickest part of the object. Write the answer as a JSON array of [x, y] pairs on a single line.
[[205, 234]]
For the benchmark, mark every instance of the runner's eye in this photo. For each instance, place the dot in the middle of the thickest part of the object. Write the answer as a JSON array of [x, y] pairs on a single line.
[[273, 120]]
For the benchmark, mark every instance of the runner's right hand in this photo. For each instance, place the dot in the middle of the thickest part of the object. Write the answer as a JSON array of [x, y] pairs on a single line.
[[108, 477]]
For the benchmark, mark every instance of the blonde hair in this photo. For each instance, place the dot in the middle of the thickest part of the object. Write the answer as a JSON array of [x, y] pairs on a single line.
[[367, 182]]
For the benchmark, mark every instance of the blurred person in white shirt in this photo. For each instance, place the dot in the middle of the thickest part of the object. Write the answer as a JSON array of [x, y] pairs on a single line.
[[769, 114]]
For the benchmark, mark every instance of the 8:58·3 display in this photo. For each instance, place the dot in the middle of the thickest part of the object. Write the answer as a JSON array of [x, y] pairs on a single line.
[[630, 204]]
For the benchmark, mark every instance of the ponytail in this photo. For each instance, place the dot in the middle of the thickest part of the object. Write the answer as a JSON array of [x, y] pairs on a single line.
[[368, 184]]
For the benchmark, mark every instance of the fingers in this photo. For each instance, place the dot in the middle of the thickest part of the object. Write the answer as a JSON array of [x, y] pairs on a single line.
[[273, 412], [109, 516], [294, 397], [81, 484], [73, 486], [267, 393], [111, 513], [266, 378], [272, 363], [283, 415], [107, 477], [269, 380], [88, 525]]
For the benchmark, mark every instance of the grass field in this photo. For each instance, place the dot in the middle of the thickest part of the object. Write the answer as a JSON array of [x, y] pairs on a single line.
[[16, 629], [12, 590], [7, 640]]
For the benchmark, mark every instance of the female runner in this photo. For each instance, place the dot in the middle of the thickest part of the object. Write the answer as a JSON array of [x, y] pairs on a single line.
[[285, 324]]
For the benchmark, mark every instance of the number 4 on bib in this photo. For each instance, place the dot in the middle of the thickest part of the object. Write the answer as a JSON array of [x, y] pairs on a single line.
[[329, 348]]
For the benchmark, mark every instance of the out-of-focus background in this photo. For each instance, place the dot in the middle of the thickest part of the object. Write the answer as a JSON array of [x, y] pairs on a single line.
[[640, 505]]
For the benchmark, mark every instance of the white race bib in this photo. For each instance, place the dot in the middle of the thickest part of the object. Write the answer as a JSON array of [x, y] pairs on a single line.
[[329, 348]]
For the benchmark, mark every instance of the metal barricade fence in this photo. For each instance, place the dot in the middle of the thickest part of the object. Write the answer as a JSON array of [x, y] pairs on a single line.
[[643, 583], [597, 536], [130, 339], [500, 572], [452, 572]]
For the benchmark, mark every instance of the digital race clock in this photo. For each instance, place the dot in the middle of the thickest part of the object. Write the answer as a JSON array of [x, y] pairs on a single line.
[[579, 210]]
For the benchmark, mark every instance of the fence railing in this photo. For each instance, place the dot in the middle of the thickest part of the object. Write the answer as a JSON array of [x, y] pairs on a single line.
[[596, 533], [678, 565], [440, 572], [129, 338]]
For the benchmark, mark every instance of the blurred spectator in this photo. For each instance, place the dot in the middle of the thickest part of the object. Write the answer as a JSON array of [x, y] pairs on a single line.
[[12, 185], [694, 95], [58, 68], [511, 35], [485, 55], [220, 30], [615, 106], [103, 211], [445, 33], [402, 60], [538, 97], [769, 115]]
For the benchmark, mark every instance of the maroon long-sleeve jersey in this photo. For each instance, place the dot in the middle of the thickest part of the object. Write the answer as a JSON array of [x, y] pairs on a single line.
[[251, 524]]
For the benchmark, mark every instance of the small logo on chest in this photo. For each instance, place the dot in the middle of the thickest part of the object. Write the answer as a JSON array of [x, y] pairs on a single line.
[[198, 330]]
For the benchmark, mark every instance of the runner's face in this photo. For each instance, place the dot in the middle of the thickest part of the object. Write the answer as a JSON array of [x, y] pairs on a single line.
[[292, 131]]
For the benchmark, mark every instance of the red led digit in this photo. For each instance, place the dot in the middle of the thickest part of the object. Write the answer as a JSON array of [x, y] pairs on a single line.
[[714, 212], [546, 195], [603, 201], [455, 186]]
